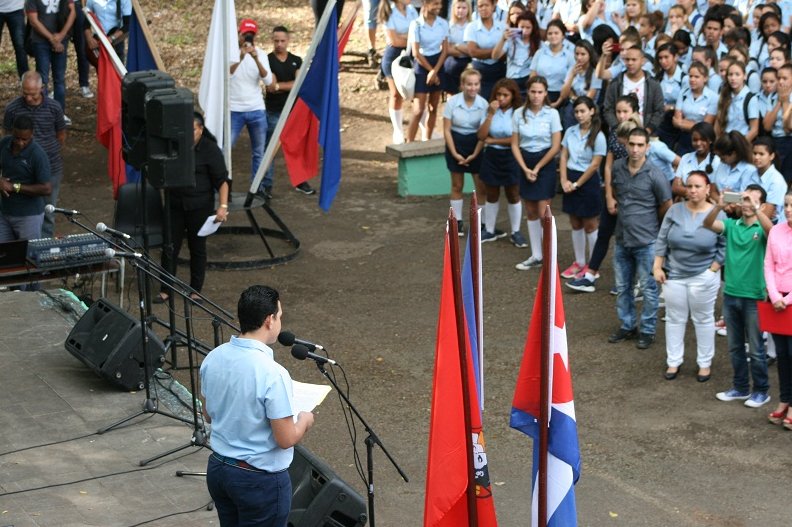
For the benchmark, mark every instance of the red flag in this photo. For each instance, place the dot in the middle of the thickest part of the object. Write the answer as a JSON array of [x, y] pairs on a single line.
[[449, 468], [108, 118]]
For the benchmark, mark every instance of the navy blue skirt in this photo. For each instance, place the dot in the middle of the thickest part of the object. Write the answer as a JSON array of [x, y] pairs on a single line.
[[421, 74], [388, 56], [498, 168], [490, 74], [586, 201], [545, 185], [465, 145], [453, 68]]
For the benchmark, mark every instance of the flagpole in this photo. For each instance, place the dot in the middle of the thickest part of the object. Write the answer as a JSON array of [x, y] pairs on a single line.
[[226, 87], [548, 281], [475, 272], [272, 147], [105, 42], [459, 309], [147, 35]]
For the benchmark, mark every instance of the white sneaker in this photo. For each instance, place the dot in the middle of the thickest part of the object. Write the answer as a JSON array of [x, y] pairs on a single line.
[[86, 92], [398, 137], [530, 263], [67, 120]]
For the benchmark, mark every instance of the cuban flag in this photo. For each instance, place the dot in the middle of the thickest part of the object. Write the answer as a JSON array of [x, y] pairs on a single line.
[[563, 451], [472, 296]]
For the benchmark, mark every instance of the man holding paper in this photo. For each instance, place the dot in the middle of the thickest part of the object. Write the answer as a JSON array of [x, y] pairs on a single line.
[[249, 401]]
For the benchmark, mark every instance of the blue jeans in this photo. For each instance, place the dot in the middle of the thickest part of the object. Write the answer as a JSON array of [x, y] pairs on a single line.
[[742, 324], [247, 497], [630, 262], [256, 122], [78, 38], [46, 58], [20, 227], [272, 122], [16, 28]]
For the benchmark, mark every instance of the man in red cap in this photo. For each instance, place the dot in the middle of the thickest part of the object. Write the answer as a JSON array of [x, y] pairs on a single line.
[[245, 98]]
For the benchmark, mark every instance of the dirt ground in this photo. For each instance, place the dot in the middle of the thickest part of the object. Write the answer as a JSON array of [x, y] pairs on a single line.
[[366, 283]]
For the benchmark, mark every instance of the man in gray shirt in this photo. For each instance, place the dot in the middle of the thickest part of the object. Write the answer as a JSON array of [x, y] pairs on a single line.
[[643, 196]]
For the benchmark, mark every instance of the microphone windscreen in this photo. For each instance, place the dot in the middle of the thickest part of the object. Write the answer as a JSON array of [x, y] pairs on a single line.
[[299, 351], [101, 227], [286, 338], [50, 208]]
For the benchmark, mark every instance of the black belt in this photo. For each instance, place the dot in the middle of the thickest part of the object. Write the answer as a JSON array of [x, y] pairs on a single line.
[[240, 464]]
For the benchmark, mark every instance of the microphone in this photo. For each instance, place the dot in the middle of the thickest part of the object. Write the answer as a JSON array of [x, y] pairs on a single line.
[[287, 338], [300, 352], [101, 227], [112, 253], [68, 212]]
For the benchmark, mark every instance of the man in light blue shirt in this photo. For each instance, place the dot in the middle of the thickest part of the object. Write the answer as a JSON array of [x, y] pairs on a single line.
[[249, 402]]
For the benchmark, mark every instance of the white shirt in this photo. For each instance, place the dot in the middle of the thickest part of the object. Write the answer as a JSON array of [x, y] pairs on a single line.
[[8, 6], [244, 91], [637, 88]]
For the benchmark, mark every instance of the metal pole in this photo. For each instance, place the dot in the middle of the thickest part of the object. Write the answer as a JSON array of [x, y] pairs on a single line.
[[544, 382], [226, 83], [475, 271], [453, 242]]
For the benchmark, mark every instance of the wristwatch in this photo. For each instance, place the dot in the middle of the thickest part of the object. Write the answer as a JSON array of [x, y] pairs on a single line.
[[17, 187]]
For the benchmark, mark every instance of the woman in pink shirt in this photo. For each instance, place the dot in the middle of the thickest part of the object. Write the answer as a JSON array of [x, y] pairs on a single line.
[[778, 275]]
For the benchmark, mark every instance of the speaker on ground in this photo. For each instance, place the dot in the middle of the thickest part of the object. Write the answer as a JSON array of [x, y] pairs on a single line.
[[109, 341], [319, 497]]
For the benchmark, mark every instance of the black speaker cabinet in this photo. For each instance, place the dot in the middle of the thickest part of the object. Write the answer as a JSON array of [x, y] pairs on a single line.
[[169, 134], [135, 87], [109, 341], [319, 497]]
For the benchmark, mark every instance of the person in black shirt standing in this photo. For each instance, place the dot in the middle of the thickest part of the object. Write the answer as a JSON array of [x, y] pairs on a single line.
[[284, 66], [189, 207]]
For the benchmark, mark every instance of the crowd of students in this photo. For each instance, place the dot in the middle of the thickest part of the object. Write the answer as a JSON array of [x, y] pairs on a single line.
[[667, 125]]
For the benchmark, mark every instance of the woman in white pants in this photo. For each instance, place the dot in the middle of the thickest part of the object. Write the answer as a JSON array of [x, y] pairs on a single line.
[[688, 258]]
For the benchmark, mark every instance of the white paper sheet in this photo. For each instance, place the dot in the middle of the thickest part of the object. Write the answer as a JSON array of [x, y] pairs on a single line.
[[308, 396], [209, 226]]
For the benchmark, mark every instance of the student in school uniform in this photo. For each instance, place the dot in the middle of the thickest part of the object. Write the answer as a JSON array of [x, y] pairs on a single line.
[[707, 56], [462, 117], [428, 35], [498, 167], [458, 58], [696, 103], [583, 149], [701, 159], [738, 108], [774, 121], [771, 180], [736, 170], [536, 139], [661, 156], [519, 45], [481, 36], [672, 80], [553, 61]]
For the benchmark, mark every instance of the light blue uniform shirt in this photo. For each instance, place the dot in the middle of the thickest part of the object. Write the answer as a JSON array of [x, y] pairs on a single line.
[[553, 67], [735, 179], [659, 5], [456, 33], [736, 114], [765, 103], [245, 389], [696, 109], [649, 47], [580, 154], [778, 125], [501, 127], [715, 81], [662, 157], [483, 37], [105, 11], [567, 10], [673, 85], [580, 88], [536, 130], [518, 58], [776, 186], [400, 23], [689, 163], [753, 78], [465, 119], [429, 38], [613, 6], [588, 33], [544, 12]]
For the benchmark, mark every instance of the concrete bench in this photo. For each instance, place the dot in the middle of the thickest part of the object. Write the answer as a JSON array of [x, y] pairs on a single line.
[[422, 169]]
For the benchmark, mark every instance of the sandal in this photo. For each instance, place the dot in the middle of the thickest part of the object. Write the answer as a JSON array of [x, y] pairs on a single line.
[[779, 417]]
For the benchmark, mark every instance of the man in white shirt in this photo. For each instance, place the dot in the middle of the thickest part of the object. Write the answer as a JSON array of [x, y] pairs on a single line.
[[245, 98]]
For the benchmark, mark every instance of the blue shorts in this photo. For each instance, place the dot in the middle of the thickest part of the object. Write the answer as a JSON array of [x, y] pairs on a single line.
[[388, 56]]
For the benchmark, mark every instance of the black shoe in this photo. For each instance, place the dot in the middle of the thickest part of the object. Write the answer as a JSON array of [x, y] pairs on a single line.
[[669, 376], [622, 335], [703, 378], [371, 56], [645, 340], [305, 188], [265, 192]]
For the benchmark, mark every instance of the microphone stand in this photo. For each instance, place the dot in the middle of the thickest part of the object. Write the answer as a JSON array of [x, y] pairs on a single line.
[[371, 440]]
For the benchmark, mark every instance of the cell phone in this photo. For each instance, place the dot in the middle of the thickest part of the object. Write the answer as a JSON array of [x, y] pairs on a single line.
[[248, 38], [616, 47], [732, 197], [515, 32]]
